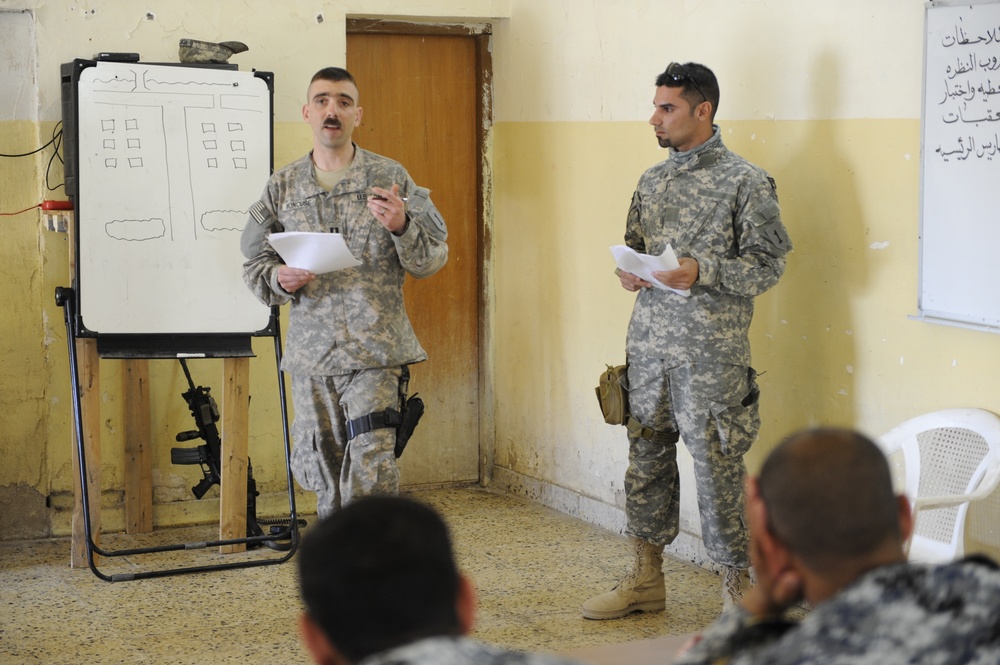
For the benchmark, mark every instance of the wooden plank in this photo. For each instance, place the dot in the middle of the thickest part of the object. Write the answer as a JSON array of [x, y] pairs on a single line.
[[90, 406], [235, 436], [138, 448]]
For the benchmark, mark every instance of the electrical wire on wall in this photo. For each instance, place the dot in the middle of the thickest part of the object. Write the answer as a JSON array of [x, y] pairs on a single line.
[[11, 214], [56, 143]]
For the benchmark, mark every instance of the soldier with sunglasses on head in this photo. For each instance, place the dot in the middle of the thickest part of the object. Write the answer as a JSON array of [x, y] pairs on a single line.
[[688, 356]]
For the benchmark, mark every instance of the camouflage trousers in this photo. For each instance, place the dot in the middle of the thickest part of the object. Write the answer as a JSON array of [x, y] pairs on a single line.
[[323, 460], [714, 409]]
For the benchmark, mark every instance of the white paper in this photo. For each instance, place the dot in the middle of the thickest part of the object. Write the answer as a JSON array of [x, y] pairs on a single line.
[[315, 252], [644, 265]]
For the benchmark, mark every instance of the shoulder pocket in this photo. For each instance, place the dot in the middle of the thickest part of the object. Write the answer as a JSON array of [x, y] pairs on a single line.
[[419, 204], [418, 199], [767, 222]]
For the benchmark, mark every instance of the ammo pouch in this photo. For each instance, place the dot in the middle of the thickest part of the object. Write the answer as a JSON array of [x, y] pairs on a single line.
[[612, 394], [404, 421]]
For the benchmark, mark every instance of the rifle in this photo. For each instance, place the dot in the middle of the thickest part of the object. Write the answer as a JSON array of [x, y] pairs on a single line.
[[209, 455]]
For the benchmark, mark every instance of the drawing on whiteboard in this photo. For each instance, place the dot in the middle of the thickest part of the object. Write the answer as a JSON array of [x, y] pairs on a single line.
[[170, 160], [175, 146], [131, 230], [224, 220]]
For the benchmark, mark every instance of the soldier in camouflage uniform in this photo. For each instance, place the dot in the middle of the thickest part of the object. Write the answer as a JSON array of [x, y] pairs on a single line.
[[826, 528], [349, 335], [689, 357], [381, 587]]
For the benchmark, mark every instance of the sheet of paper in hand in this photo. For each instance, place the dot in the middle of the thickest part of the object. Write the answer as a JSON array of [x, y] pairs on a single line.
[[644, 265], [316, 252]]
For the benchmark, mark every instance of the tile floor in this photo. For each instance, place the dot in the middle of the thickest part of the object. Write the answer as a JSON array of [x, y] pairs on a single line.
[[532, 565]]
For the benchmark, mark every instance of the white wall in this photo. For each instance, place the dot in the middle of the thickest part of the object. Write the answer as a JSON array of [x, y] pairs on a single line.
[[595, 60]]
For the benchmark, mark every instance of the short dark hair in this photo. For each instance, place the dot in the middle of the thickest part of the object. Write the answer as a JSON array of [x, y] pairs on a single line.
[[333, 74], [379, 573], [829, 496], [698, 85]]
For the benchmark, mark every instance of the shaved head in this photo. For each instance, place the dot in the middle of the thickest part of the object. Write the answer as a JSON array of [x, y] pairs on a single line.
[[829, 497]]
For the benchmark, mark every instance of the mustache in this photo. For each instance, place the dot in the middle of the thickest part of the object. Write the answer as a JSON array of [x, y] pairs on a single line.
[[332, 123]]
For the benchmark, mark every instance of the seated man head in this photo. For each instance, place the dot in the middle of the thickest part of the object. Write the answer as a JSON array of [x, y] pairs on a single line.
[[379, 574], [822, 512]]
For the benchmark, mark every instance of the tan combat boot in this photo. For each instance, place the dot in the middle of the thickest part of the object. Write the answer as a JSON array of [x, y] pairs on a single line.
[[641, 590], [735, 583]]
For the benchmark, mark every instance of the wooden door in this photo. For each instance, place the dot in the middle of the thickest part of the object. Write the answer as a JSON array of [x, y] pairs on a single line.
[[420, 99]]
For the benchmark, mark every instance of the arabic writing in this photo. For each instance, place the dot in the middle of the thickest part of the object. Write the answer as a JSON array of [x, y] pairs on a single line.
[[960, 164], [966, 146], [968, 61]]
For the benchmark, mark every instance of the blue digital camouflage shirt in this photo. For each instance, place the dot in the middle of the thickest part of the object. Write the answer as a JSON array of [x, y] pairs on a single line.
[[896, 614], [460, 651]]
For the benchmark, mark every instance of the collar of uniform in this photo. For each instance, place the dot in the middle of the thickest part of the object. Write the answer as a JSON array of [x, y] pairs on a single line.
[[697, 155], [355, 180]]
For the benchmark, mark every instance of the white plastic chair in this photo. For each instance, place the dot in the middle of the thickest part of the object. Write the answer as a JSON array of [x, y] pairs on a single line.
[[950, 458]]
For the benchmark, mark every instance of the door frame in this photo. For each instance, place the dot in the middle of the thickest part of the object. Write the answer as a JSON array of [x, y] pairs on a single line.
[[482, 35]]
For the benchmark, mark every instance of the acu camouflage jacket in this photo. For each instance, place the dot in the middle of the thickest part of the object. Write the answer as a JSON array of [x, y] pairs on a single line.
[[349, 319], [711, 205]]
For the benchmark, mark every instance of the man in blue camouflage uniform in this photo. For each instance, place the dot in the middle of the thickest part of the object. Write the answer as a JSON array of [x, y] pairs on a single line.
[[349, 338], [826, 528], [380, 587], [689, 368]]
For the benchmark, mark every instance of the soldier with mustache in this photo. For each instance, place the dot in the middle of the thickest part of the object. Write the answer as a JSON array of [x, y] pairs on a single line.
[[349, 340]]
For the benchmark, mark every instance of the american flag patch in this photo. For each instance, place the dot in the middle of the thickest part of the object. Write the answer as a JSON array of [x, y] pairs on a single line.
[[259, 212]]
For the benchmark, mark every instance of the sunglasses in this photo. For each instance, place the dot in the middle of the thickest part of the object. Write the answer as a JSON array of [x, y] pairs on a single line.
[[678, 73]]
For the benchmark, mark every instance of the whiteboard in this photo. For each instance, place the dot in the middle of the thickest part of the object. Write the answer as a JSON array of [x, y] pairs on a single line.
[[960, 166], [170, 159]]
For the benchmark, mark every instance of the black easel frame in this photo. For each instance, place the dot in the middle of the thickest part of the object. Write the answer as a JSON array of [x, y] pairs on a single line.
[[66, 299], [147, 345]]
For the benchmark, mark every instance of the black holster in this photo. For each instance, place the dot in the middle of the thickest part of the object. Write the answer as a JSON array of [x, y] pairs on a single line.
[[405, 420]]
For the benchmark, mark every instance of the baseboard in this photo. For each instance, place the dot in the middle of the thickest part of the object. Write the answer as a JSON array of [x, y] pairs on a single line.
[[179, 513], [687, 546]]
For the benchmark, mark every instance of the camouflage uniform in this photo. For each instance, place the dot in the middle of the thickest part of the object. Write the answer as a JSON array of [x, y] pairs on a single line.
[[902, 613], [689, 358], [348, 330], [459, 651]]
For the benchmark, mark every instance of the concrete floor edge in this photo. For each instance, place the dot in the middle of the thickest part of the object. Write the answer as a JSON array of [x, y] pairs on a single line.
[[687, 547]]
